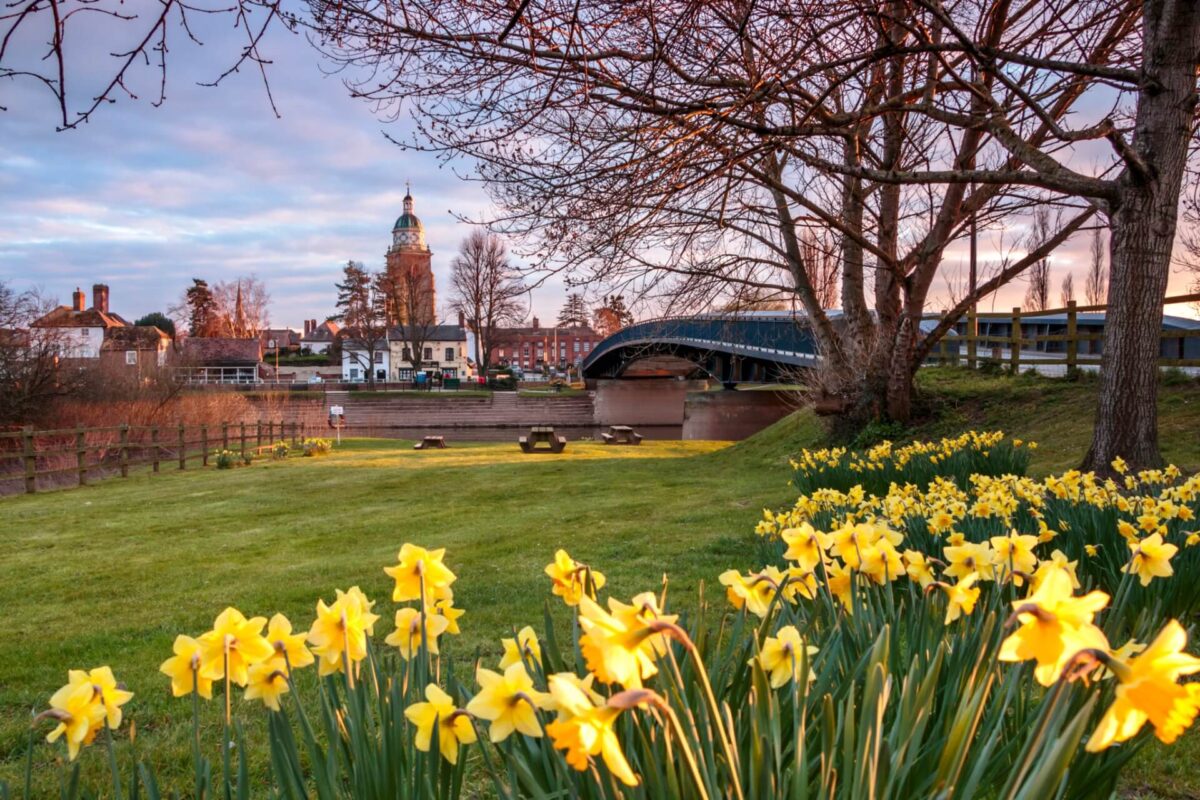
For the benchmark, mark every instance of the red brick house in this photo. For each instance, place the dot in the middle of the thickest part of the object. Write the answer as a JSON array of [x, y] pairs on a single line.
[[535, 347], [135, 349]]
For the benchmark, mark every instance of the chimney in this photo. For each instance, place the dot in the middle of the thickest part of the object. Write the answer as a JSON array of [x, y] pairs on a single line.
[[535, 323], [77, 300], [307, 327], [100, 297], [462, 320]]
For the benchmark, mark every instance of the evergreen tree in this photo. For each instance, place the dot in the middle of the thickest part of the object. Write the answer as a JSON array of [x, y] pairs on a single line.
[[354, 295], [203, 314], [574, 313], [158, 320], [613, 315]]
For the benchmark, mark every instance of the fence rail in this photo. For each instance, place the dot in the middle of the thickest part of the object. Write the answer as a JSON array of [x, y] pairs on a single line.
[[29, 455], [1023, 348]]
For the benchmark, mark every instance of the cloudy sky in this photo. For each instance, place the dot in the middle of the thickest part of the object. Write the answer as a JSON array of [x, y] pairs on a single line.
[[212, 185]]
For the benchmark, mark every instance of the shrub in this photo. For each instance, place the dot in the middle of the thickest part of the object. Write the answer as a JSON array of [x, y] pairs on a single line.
[[316, 447], [228, 459], [279, 451]]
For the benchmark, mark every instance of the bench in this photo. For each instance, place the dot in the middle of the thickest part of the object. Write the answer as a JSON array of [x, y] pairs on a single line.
[[542, 435], [621, 434], [428, 442]]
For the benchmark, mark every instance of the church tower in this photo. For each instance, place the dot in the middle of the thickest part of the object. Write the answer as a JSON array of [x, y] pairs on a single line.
[[410, 270]]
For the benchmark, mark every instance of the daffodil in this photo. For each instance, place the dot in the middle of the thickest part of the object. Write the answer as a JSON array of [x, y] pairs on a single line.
[[340, 631], [970, 557], [453, 724], [419, 568], [508, 701], [1058, 560], [1054, 627], [584, 730], [184, 669], [1148, 691], [1151, 559], [268, 681], [233, 645], [413, 628], [806, 545], [754, 592], [78, 711], [571, 580], [287, 644], [109, 693], [1013, 555], [782, 656], [961, 597], [620, 644], [444, 606], [881, 563], [918, 567], [517, 650], [841, 584]]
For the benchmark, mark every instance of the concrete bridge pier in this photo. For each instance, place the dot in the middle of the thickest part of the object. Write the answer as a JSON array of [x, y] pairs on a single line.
[[734, 415], [643, 401]]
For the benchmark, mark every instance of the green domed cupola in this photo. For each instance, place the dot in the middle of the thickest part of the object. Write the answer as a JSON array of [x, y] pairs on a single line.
[[408, 232]]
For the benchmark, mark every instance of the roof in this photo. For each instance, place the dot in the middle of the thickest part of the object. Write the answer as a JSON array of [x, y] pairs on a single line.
[[407, 221], [327, 331], [221, 351], [67, 317], [436, 333], [547, 330], [134, 337], [284, 337]]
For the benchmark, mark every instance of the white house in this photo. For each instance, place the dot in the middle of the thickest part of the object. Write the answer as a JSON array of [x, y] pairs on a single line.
[[81, 331], [318, 339], [445, 352], [359, 363]]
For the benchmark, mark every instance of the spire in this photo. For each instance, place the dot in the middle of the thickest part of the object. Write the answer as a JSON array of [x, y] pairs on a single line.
[[408, 198], [239, 313]]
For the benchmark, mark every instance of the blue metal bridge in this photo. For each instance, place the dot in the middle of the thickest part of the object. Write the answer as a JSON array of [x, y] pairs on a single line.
[[731, 347]]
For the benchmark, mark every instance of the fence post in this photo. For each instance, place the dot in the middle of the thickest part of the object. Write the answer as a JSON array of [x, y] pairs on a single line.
[[258, 433], [1073, 332], [242, 438], [124, 454], [972, 335], [224, 435], [1014, 355], [30, 460], [271, 431], [154, 447], [182, 448], [81, 454], [204, 445]]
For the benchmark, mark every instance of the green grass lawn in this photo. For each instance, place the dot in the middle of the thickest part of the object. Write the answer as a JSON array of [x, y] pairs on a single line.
[[110, 573]]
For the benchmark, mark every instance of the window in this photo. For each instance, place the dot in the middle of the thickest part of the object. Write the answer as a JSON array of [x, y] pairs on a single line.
[[379, 357], [576, 345], [429, 354], [407, 355], [131, 356], [449, 353], [354, 373], [405, 374], [587, 347]]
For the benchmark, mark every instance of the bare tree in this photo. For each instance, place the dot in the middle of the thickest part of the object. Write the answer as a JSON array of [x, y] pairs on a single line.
[[821, 258], [244, 306], [487, 291], [408, 295], [1037, 294], [1096, 288], [365, 342], [32, 374], [1066, 291]]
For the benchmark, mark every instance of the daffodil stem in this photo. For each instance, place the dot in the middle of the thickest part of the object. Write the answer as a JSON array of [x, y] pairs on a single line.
[[715, 710], [690, 757], [112, 763], [196, 734], [225, 731]]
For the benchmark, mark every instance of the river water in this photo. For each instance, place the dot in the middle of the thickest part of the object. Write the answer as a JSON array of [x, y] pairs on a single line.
[[573, 433]]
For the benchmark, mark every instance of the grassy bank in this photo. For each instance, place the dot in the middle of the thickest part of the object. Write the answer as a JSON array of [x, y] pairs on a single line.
[[110, 573]]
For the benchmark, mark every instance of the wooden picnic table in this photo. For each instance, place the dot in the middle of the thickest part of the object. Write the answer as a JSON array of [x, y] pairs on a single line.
[[428, 442], [621, 434], [542, 435]]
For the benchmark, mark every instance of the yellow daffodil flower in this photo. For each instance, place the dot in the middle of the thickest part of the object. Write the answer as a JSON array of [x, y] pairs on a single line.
[[109, 693], [419, 567], [184, 669], [234, 641], [755, 592], [806, 546], [918, 567], [961, 597], [1148, 692], [841, 584], [79, 713], [413, 628], [782, 656], [1151, 559], [453, 724], [620, 644], [339, 633], [571, 580], [287, 644], [445, 607], [1058, 560], [1054, 626], [584, 730], [508, 701], [1013, 554], [1091, 550], [517, 650], [968, 558], [268, 681]]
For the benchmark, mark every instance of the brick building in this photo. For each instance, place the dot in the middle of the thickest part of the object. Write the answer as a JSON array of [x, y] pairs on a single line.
[[533, 348]]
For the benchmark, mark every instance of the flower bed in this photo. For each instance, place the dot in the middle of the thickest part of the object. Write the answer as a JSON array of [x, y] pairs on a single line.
[[1005, 637]]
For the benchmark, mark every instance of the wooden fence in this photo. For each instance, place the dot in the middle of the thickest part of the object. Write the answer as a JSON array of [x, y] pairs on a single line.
[[29, 455], [1017, 349]]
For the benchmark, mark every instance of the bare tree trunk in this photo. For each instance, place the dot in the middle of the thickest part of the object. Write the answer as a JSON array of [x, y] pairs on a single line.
[[1143, 233]]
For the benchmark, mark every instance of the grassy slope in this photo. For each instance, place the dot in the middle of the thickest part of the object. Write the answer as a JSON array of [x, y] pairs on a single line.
[[110, 573]]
